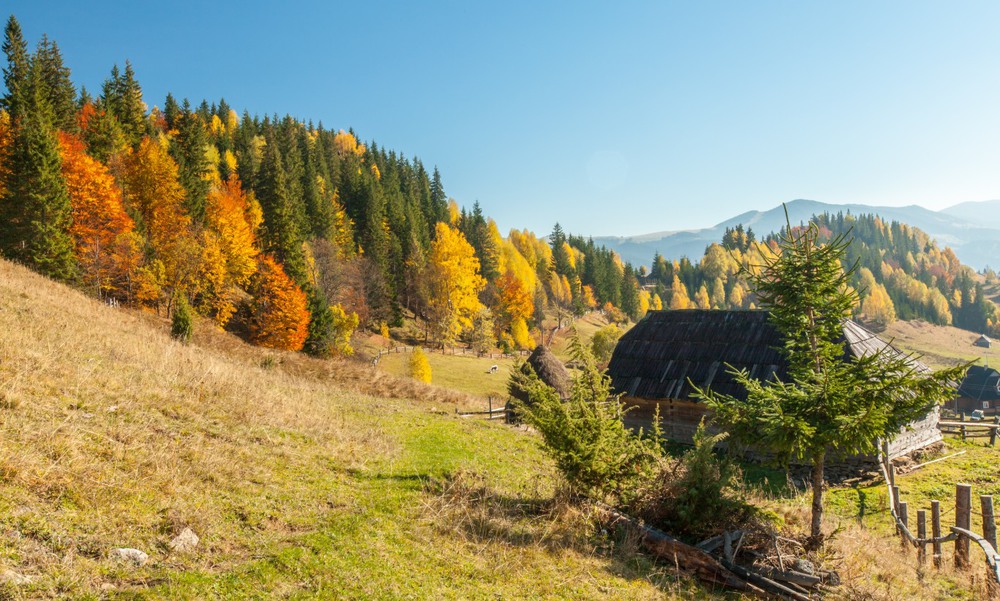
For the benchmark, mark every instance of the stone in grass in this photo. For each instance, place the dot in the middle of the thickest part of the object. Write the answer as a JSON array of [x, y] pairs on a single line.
[[185, 542], [12, 577], [133, 556]]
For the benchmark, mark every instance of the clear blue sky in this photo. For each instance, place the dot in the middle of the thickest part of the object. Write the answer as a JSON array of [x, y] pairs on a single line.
[[612, 118]]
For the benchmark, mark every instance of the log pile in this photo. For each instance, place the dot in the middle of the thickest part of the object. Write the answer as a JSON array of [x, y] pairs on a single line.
[[723, 561]]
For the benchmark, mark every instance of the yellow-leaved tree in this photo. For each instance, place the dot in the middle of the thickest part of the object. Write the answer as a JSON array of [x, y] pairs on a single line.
[[420, 367], [453, 283]]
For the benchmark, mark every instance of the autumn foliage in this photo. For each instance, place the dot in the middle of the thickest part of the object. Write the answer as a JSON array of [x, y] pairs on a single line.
[[107, 248], [279, 317]]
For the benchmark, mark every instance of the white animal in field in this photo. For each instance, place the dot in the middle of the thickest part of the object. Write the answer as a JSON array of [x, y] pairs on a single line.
[[494, 369]]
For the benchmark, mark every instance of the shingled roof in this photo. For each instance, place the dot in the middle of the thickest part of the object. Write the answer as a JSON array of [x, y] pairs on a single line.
[[657, 358], [981, 384]]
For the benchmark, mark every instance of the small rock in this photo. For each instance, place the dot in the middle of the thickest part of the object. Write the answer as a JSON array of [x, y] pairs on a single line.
[[805, 566], [112, 409], [88, 415], [185, 542], [12, 577], [107, 586], [133, 556]]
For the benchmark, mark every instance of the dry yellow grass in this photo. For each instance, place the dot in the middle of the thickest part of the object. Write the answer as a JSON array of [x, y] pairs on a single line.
[[303, 478], [941, 346]]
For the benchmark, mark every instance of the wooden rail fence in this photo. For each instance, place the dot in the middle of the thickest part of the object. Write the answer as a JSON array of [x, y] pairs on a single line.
[[970, 429], [961, 533]]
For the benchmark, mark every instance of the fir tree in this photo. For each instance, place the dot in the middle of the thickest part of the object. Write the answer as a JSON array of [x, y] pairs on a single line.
[[36, 213], [825, 402], [280, 231], [55, 79], [15, 75], [188, 149]]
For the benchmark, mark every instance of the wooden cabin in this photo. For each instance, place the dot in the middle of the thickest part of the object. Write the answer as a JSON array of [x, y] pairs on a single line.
[[656, 362], [979, 390], [983, 341]]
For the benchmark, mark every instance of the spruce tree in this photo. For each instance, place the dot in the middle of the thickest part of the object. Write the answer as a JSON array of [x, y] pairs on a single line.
[[35, 212], [15, 74], [825, 402], [188, 149], [55, 79], [280, 231]]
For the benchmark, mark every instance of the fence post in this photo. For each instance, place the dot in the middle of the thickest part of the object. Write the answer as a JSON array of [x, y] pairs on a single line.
[[989, 522], [962, 418], [936, 531], [963, 519], [905, 522], [922, 534], [993, 430], [895, 498]]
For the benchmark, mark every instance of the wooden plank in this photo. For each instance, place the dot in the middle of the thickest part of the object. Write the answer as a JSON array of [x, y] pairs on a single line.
[[918, 466], [963, 521]]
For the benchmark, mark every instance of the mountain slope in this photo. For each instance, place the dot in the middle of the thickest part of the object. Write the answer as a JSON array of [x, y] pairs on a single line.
[[972, 230], [114, 436]]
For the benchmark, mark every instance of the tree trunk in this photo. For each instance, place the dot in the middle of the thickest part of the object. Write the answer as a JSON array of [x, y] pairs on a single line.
[[816, 531]]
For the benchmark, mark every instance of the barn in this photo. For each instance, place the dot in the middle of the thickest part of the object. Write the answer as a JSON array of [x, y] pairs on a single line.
[[983, 341], [657, 361]]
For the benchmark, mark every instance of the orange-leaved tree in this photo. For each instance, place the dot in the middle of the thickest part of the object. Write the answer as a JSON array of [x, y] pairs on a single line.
[[279, 314], [107, 247], [155, 197]]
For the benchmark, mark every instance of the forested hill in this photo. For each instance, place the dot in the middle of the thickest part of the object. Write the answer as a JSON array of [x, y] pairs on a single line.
[[901, 273], [284, 231]]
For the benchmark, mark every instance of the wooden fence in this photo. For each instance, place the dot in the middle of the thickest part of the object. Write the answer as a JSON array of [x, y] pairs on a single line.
[[961, 533], [491, 413], [446, 351], [970, 429]]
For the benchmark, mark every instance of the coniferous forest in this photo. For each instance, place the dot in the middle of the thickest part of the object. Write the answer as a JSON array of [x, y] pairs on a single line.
[[294, 235]]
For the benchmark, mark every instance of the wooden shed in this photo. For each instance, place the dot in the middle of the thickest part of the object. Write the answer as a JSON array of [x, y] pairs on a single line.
[[656, 362], [983, 341]]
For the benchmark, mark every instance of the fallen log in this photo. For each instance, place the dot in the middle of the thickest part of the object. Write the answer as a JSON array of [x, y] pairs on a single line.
[[693, 559]]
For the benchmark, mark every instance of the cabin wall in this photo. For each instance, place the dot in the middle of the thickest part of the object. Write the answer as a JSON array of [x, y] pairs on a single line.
[[918, 435]]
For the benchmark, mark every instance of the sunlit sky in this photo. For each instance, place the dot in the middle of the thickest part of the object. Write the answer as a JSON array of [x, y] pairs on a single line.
[[611, 118]]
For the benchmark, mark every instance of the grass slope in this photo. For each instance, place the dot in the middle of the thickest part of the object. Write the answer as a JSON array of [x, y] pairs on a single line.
[[940, 346], [299, 482]]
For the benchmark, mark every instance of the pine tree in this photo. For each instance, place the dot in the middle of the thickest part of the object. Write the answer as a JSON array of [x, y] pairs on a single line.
[[15, 75], [36, 211], [58, 88], [280, 232], [825, 401], [188, 150]]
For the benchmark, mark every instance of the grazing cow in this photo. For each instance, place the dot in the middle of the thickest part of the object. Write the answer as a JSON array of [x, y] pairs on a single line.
[[494, 369]]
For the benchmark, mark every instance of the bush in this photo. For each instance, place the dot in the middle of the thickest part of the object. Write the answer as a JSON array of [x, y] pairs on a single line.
[[597, 455], [697, 496], [181, 323], [420, 367], [604, 342]]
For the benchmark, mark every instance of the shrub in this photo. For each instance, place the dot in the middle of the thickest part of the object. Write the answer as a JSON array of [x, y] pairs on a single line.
[[604, 342], [181, 323], [697, 496], [597, 455], [420, 367]]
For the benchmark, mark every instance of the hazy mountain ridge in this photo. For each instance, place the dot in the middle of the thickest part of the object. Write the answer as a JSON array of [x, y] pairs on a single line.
[[971, 229]]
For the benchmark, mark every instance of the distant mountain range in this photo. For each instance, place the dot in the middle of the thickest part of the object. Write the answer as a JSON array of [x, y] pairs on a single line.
[[971, 229]]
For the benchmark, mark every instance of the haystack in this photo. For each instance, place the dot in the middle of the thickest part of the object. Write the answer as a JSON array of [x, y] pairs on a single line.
[[549, 370]]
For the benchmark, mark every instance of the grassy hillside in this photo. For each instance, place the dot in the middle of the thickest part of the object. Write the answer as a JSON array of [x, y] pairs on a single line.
[[310, 479], [299, 483], [940, 345]]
